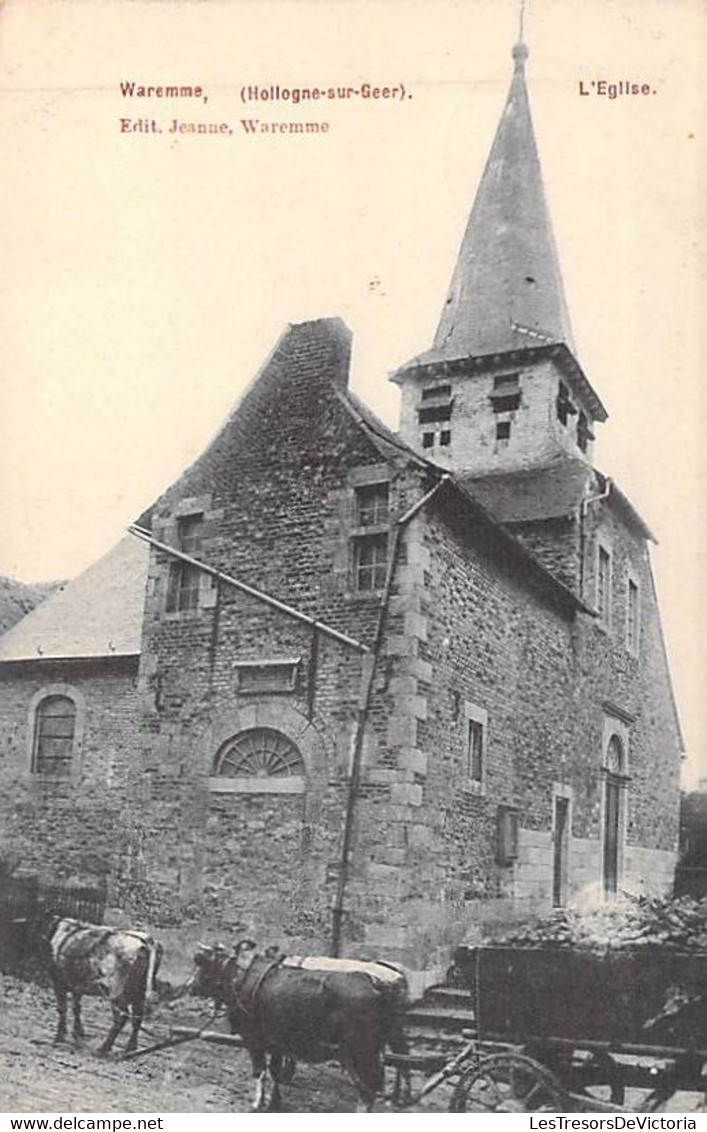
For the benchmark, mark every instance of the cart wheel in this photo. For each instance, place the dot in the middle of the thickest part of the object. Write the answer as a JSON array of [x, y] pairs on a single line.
[[509, 1082]]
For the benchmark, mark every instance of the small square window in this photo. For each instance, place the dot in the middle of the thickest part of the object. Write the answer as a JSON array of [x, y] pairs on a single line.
[[428, 439], [503, 430], [370, 562], [445, 438]]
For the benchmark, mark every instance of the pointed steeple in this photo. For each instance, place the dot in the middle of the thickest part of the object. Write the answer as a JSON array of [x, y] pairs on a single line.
[[506, 292]]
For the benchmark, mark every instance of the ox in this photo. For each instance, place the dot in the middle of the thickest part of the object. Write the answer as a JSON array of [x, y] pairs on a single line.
[[114, 964], [313, 1009]]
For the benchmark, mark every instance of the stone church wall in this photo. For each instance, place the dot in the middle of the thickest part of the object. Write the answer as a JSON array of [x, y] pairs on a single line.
[[75, 828]]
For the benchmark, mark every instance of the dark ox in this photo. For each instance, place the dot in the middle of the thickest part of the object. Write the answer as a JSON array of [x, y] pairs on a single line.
[[314, 1009], [117, 965]]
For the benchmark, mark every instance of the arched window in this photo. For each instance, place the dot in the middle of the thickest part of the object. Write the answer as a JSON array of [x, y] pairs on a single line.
[[54, 731], [615, 756], [260, 752]]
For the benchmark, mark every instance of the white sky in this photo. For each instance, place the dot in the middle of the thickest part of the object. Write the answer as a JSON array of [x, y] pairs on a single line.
[[146, 278]]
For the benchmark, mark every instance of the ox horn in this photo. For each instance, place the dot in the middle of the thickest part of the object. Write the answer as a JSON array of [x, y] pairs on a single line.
[[204, 947]]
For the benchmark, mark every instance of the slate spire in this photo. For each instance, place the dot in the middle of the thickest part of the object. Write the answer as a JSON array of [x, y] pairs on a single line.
[[506, 292]]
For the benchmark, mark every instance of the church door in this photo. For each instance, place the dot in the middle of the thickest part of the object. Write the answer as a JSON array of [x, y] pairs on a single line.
[[613, 801]]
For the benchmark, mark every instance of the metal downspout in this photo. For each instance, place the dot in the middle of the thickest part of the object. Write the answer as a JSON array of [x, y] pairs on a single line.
[[368, 672], [583, 508]]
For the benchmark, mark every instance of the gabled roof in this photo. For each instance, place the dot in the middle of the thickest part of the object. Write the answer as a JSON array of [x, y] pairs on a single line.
[[97, 615]]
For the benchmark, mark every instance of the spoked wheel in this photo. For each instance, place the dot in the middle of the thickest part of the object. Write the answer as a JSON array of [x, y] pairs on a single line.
[[509, 1082]]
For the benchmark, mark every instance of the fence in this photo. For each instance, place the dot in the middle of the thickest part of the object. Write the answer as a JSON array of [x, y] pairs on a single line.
[[24, 898]]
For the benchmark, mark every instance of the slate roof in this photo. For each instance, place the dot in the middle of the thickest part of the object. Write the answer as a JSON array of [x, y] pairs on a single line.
[[506, 295], [507, 283], [98, 614], [551, 492], [388, 443], [554, 491]]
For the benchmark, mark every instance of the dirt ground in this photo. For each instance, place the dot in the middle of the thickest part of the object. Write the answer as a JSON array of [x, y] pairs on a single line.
[[37, 1076]]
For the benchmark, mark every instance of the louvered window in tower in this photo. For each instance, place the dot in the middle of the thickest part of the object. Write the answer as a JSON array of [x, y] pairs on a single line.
[[584, 432], [505, 395]]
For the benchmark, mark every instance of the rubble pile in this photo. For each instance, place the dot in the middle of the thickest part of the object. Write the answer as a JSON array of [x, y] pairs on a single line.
[[642, 922]]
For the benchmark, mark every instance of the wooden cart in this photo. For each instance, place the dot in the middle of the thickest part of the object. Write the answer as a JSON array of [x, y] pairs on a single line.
[[560, 1029]]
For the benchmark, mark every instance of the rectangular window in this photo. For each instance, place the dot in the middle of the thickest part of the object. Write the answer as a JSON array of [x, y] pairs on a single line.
[[428, 439], [475, 751], [445, 438], [503, 430], [372, 505], [632, 617], [604, 585], [183, 586], [370, 562], [267, 675]]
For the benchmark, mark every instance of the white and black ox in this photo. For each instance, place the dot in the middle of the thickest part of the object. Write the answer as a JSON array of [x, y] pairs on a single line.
[[119, 966], [310, 1009]]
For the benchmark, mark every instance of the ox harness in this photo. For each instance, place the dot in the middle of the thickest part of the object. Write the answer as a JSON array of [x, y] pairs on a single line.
[[246, 997]]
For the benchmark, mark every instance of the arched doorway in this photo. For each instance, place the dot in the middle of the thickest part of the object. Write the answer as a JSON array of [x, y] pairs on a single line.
[[614, 791]]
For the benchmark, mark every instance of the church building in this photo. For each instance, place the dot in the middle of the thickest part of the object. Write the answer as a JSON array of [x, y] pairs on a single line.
[[366, 690]]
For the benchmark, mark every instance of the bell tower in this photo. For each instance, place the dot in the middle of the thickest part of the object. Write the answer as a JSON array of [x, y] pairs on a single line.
[[501, 388]]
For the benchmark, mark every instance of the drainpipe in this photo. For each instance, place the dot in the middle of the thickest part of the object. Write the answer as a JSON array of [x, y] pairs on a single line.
[[583, 508], [368, 672]]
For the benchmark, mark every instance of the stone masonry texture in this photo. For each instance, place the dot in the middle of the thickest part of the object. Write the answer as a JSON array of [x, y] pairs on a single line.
[[474, 631]]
